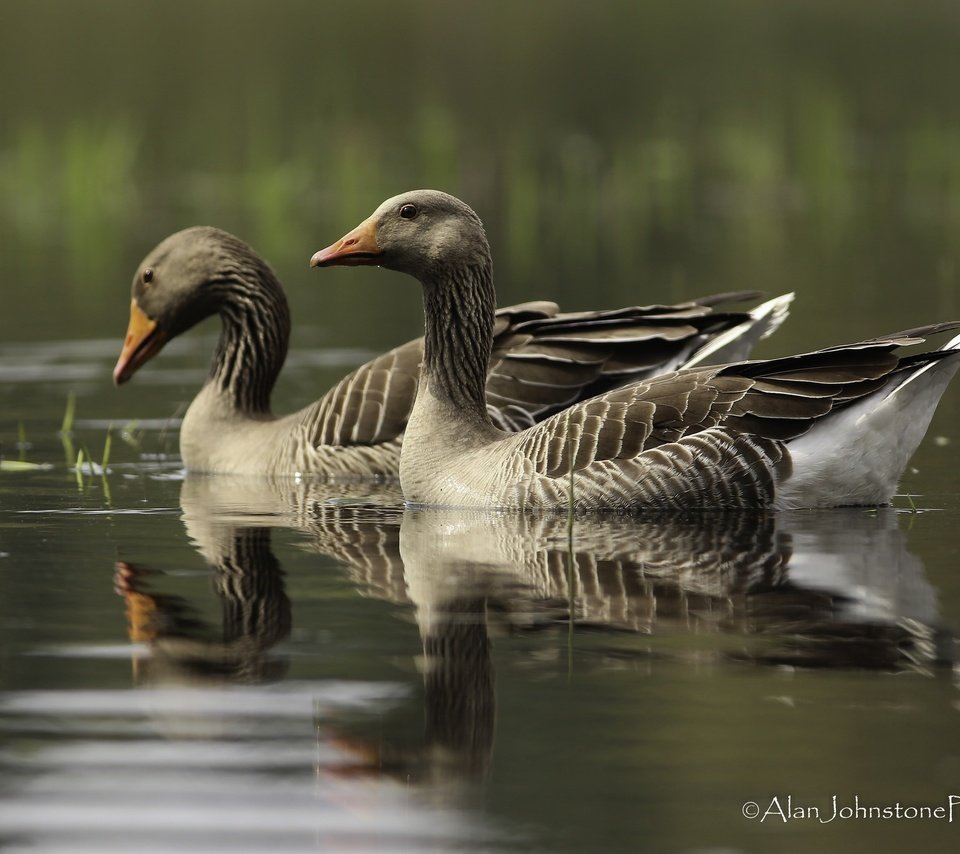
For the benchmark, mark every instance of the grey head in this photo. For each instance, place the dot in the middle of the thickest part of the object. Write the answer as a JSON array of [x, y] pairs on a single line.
[[421, 232], [182, 281]]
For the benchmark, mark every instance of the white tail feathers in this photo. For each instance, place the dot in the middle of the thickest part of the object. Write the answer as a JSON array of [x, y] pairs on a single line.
[[735, 344], [858, 456]]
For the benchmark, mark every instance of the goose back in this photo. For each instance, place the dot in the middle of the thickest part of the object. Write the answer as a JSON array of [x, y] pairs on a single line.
[[542, 361], [833, 427]]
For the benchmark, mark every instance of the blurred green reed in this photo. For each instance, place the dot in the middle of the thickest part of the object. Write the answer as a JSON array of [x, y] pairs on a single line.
[[588, 202], [726, 145], [71, 189]]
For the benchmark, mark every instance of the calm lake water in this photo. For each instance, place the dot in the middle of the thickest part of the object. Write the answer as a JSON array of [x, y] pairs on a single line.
[[207, 664], [196, 664]]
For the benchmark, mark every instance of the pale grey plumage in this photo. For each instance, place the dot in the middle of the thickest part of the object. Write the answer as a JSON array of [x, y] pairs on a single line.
[[543, 361], [822, 429]]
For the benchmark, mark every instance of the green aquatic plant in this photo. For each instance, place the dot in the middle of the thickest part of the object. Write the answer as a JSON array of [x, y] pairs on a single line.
[[107, 444], [66, 428], [85, 467], [20, 465], [69, 414], [913, 507], [78, 469], [82, 461]]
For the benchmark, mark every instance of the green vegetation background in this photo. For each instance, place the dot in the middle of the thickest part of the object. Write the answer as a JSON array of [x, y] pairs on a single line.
[[619, 151]]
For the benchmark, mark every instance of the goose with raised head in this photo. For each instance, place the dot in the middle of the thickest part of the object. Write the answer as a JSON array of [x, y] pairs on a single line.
[[543, 361], [829, 428]]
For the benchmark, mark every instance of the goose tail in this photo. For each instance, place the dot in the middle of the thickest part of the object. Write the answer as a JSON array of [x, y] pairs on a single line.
[[857, 456]]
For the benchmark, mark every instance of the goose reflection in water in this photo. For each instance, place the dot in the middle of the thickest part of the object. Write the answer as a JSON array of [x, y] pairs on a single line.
[[230, 522], [837, 589], [255, 616]]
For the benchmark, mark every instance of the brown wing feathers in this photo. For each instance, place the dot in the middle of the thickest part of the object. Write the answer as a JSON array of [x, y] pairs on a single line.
[[788, 395], [544, 364], [370, 405], [715, 468], [770, 401]]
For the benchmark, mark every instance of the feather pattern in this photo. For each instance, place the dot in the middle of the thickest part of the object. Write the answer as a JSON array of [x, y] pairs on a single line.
[[836, 577], [819, 429], [543, 360]]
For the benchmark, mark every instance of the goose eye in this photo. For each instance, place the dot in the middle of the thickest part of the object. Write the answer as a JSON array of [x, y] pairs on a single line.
[[408, 211], [147, 276]]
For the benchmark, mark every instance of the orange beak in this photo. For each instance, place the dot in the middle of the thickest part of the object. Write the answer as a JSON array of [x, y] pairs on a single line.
[[144, 340], [358, 248]]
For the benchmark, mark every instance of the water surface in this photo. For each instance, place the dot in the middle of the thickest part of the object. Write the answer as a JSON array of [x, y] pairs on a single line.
[[209, 663]]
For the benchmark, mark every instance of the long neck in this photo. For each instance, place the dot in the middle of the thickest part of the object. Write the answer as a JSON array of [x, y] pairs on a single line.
[[459, 307], [253, 343]]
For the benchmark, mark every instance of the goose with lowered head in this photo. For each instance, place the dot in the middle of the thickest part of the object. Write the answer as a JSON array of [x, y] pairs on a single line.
[[828, 428], [542, 361]]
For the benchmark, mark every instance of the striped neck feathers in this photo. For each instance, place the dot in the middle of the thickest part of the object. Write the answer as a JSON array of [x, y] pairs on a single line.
[[254, 339], [459, 307]]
